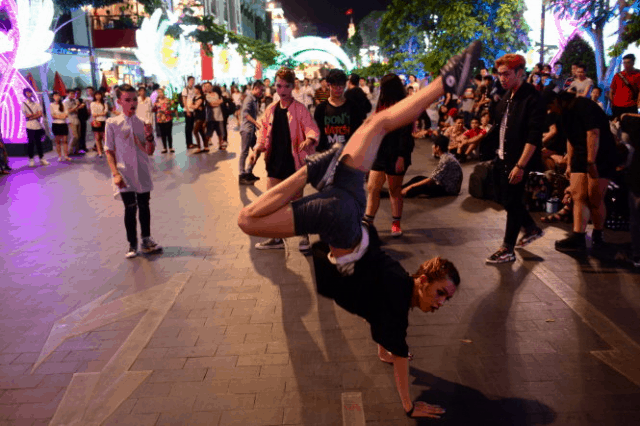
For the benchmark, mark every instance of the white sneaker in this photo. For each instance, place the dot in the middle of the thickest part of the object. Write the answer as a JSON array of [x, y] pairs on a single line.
[[32, 163], [44, 162], [271, 243], [304, 244], [131, 253]]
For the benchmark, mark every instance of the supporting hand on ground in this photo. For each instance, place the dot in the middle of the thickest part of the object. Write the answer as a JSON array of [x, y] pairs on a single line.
[[422, 409]]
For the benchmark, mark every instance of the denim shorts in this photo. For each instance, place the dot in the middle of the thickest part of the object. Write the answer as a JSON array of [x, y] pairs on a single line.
[[336, 212]]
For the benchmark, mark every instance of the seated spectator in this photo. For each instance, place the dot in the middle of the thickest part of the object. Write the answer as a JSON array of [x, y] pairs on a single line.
[[596, 92], [536, 81], [485, 121], [455, 134], [446, 179], [582, 85], [470, 140]]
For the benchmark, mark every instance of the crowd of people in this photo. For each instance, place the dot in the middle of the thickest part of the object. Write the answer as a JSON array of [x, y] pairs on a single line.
[[347, 138]]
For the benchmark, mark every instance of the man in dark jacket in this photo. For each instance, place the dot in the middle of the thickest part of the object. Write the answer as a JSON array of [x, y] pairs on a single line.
[[515, 138], [356, 95]]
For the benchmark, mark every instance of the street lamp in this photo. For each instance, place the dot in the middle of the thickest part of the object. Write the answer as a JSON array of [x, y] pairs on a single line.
[[92, 58]]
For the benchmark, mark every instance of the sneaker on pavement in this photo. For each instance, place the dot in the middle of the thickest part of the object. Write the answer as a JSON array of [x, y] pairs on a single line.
[[529, 237], [270, 244], [31, 162], [574, 242], [455, 74], [44, 162], [304, 244], [245, 180], [131, 252], [321, 167], [396, 231], [150, 246], [252, 177], [503, 255]]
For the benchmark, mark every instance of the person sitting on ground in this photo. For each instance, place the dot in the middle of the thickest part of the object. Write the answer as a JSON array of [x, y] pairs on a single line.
[[455, 134], [446, 179], [582, 84], [349, 260], [596, 93], [470, 140]]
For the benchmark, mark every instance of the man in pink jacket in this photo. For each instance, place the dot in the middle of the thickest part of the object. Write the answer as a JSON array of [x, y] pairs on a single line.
[[287, 135]]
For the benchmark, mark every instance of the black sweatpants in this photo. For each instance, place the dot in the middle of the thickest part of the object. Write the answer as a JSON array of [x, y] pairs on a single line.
[[134, 202]]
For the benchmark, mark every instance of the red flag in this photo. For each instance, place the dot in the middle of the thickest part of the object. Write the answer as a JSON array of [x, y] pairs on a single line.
[[349, 12], [103, 84], [58, 85], [32, 82]]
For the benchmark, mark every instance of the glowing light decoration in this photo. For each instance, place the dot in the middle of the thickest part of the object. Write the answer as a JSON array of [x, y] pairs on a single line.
[[12, 83], [315, 48], [169, 59], [34, 20]]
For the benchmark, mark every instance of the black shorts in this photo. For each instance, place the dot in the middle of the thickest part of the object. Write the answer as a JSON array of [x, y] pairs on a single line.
[[606, 166], [388, 165], [60, 129], [336, 212], [99, 128]]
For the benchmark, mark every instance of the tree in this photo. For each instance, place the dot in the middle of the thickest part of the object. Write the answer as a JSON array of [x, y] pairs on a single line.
[[368, 28], [579, 51], [422, 35], [353, 45], [594, 15]]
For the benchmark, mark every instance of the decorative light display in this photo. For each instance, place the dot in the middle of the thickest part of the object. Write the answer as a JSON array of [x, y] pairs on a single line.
[[170, 60], [16, 52], [316, 48]]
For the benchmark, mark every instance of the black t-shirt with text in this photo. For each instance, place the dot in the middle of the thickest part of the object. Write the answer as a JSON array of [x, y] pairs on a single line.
[[379, 291], [280, 164], [337, 124]]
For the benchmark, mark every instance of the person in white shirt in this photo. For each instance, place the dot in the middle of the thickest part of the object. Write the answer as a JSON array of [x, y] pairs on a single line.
[[129, 144], [582, 84], [99, 112], [308, 92], [72, 106], [145, 108], [59, 127], [365, 88], [187, 98], [33, 113]]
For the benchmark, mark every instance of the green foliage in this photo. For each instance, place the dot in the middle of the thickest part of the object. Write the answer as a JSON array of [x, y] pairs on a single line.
[[67, 5], [368, 28], [373, 70], [353, 45], [449, 27], [579, 51], [630, 35]]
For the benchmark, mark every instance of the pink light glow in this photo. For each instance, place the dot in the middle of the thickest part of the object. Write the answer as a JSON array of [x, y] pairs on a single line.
[[12, 83]]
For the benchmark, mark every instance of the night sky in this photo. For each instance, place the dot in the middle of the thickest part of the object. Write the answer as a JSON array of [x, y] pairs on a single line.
[[329, 15]]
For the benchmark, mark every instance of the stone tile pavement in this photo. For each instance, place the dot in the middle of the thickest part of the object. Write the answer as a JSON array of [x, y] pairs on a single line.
[[550, 339]]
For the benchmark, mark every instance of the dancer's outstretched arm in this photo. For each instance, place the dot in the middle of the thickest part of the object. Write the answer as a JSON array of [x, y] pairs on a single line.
[[362, 147]]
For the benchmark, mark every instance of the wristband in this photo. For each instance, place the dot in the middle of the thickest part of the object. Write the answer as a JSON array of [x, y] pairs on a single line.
[[410, 412], [519, 166]]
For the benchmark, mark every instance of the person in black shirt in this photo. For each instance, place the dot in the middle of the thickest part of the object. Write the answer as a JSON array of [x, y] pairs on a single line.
[[356, 95], [554, 142], [337, 118], [393, 159], [517, 134], [592, 163]]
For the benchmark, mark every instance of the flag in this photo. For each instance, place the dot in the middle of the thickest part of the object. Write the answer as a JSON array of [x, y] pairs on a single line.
[[103, 84], [58, 85], [349, 12], [32, 82], [258, 74]]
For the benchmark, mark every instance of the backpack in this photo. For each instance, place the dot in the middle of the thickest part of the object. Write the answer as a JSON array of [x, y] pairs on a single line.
[[481, 182], [228, 107]]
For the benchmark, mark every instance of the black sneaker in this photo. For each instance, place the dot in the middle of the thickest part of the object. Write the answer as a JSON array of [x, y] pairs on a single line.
[[149, 246], [252, 177], [455, 74], [321, 167], [245, 180], [503, 255], [529, 237], [574, 242], [270, 244]]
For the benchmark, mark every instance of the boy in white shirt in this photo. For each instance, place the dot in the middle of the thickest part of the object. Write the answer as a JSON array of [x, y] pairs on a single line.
[[128, 144], [144, 111]]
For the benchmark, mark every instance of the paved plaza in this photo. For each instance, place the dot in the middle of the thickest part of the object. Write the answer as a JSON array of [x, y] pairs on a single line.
[[214, 332]]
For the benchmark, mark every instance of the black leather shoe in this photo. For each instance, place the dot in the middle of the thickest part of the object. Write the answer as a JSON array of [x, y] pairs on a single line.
[[321, 167], [455, 74]]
